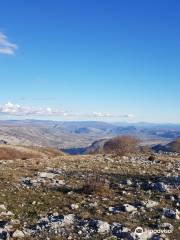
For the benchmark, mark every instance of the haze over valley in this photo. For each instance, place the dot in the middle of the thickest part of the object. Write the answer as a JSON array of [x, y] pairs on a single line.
[[77, 134]]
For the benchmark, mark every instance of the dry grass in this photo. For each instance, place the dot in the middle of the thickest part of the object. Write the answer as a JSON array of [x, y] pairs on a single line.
[[85, 177], [25, 152], [96, 185], [12, 153], [50, 152]]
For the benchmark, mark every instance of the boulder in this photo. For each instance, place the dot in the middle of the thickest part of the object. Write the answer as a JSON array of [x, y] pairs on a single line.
[[169, 213], [150, 204], [129, 208], [46, 175], [18, 234], [103, 227]]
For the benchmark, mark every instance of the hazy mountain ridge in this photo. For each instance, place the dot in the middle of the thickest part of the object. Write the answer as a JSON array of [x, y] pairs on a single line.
[[79, 134]]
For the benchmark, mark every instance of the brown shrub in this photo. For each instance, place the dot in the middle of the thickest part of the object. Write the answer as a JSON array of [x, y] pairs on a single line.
[[152, 158], [121, 145], [96, 185]]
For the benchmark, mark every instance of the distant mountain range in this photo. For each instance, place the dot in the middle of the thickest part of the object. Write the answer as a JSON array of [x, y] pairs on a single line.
[[80, 134]]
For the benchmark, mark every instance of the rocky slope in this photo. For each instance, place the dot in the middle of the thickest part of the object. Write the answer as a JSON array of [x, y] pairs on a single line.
[[51, 196]]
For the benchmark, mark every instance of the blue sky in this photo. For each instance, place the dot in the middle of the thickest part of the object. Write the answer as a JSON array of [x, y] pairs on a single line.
[[105, 59]]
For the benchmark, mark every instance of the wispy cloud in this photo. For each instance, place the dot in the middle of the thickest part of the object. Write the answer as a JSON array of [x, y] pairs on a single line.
[[6, 47], [11, 109], [18, 110], [109, 115], [130, 115]]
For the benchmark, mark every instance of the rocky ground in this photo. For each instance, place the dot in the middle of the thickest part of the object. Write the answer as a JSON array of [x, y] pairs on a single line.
[[51, 196]]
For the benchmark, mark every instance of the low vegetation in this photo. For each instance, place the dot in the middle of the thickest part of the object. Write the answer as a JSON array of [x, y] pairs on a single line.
[[10, 152], [100, 196], [121, 145]]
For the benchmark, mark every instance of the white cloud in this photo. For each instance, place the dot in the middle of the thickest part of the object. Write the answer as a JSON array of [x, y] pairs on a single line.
[[130, 115], [99, 114], [11, 109], [18, 110], [109, 115], [6, 47]]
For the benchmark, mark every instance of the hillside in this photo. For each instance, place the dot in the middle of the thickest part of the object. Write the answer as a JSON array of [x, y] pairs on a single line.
[[12, 152], [79, 134], [48, 195]]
